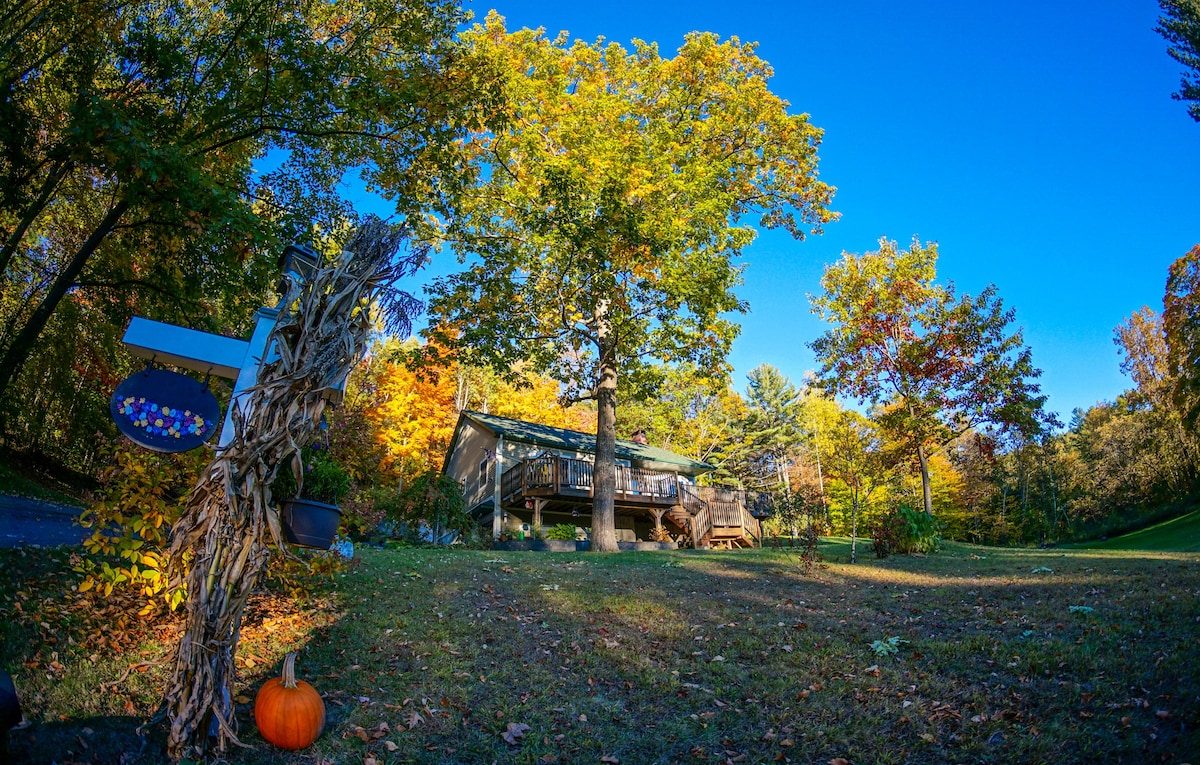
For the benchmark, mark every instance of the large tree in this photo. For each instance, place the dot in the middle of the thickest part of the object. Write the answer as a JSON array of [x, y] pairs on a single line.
[[1180, 26], [1181, 324], [1147, 359], [858, 459], [936, 363], [772, 427], [130, 132], [614, 193]]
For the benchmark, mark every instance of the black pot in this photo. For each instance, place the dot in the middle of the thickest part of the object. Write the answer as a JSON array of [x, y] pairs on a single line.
[[309, 523]]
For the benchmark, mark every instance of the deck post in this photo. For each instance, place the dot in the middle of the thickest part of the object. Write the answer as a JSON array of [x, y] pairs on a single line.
[[657, 512], [537, 513], [497, 512]]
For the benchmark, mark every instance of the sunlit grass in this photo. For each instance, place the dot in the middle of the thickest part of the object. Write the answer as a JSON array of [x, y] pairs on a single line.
[[1178, 534]]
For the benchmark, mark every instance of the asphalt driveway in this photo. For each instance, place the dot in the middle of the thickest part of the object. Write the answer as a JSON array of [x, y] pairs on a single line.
[[27, 522]]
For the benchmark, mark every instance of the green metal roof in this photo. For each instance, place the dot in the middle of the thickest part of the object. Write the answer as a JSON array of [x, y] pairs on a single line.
[[573, 440]]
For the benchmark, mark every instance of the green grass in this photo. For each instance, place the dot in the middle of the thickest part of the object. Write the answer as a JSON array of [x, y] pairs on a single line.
[[22, 484], [682, 657], [1179, 534]]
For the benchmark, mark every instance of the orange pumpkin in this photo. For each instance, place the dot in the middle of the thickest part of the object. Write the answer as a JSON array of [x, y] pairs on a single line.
[[289, 712]]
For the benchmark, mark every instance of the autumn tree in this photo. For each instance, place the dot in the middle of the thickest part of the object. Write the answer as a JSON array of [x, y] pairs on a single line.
[[696, 413], [858, 460], [1147, 359], [1181, 323], [612, 197], [129, 133], [938, 364], [1180, 27]]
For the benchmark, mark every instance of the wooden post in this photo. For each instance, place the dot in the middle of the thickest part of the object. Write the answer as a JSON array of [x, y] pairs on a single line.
[[497, 512], [537, 513], [657, 512]]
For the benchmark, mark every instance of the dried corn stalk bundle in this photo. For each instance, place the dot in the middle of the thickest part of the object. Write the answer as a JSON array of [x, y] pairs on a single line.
[[230, 519]]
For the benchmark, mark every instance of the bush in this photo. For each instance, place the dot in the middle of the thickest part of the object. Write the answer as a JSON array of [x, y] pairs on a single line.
[[561, 531], [922, 533], [887, 535], [905, 531], [144, 493], [433, 499]]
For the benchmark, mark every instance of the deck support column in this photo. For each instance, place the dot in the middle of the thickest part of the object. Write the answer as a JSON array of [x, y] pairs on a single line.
[[497, 511], [537, 513], [658, 512]]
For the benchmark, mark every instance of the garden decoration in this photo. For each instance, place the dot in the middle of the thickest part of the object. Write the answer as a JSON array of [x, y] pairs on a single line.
[[289, 712], [230, 518], [204, 352], [165, 411]]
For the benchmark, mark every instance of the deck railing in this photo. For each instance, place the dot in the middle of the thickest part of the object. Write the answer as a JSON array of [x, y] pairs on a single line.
[[549, 476]]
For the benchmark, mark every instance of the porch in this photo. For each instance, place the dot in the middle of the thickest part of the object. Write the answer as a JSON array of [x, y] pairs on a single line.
[[702, 516]]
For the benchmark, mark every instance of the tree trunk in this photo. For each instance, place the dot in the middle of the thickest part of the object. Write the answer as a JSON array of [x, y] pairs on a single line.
[[604, 471], [854, 529], [821, 484], [926, 488], [49, 185], [23, 344]]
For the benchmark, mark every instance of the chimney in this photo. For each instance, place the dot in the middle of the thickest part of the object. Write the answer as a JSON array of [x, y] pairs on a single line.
[[639, 437]]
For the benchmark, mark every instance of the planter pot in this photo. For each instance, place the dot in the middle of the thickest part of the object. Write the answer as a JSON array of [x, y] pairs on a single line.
[[583, 545], [647, 546], [555, 545], [309, 523], [512, 545]]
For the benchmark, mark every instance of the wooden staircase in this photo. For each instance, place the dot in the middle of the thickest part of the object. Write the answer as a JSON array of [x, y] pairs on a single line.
[[715, 517]]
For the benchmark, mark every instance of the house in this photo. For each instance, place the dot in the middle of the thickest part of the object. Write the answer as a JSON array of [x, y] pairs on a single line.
[[518, 476]]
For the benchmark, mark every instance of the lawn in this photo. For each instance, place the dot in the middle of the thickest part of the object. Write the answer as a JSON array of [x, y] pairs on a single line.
[[1181, 533], [456, 656]]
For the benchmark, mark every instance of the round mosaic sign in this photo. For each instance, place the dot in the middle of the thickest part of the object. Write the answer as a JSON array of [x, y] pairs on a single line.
[[165, 411]]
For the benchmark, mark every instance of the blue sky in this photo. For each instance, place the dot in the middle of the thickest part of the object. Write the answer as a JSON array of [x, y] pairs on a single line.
[[1036, 142]]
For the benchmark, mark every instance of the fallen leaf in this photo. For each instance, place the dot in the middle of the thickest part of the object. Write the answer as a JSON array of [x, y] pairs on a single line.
[[609, 759], [391, 746], [515, 732], [839, 761]]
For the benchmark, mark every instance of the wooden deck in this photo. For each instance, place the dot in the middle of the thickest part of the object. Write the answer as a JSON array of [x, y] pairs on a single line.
[[706, 516]]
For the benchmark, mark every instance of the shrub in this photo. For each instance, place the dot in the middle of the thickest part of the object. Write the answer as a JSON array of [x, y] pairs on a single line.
[[887, 535], [922, 533], [433, 499], [904, 531], [144, 493], [560, 531]]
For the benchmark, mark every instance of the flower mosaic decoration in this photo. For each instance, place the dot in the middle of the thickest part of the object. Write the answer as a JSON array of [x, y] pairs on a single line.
[[162, 420]]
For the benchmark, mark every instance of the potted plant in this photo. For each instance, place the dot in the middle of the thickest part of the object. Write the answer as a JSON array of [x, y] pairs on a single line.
[[309, 512]]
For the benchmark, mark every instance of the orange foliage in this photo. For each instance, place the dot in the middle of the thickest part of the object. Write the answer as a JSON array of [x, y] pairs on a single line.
[[413, 417], [539, 403], [413, 414]]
